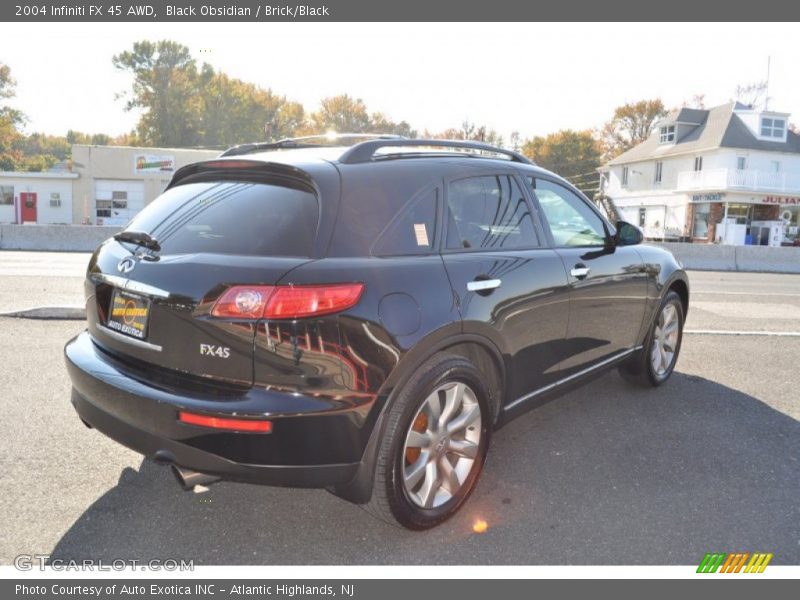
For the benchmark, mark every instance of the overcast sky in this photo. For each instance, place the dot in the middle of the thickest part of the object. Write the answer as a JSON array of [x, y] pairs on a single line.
[[534, 78]]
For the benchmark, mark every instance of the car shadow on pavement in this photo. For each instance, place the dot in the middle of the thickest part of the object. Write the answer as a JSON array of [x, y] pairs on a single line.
[[609, 474]]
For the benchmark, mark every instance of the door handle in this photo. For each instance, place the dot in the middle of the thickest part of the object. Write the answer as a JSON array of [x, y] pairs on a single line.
[[481, 285], [579, 271]]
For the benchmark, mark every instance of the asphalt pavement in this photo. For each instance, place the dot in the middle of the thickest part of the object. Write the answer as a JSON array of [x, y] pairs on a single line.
[[608, 474], [34, 279]]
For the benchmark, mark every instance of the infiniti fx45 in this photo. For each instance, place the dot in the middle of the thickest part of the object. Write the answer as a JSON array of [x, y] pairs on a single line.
[[361, 318]]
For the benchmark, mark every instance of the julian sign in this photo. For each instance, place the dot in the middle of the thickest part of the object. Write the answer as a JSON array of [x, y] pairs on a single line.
[[783, 200]]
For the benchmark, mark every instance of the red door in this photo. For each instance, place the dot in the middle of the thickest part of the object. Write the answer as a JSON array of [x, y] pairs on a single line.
[[28, 202]]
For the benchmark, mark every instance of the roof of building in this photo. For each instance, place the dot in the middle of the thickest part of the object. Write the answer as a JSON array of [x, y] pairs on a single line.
[[55, 174], [718, 127]]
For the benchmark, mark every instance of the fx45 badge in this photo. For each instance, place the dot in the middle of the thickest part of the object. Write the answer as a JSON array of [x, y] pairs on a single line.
[[218, 351]]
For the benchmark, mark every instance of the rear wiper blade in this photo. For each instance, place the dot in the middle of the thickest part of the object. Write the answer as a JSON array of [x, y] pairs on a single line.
[[138, 237]]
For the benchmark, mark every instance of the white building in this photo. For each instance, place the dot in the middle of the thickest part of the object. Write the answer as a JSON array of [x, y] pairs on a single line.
[[101, 185], [116, 182], [729, 174], [36, 197]]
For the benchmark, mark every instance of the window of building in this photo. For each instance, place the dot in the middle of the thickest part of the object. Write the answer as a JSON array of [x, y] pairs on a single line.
[[667, 134], [103, 208], [572, 221], [642, 216], [659, 170], [741, 163], [698, 163], [119, 200], [776, 166], [624, 176], [701, 218], [773, 128], [55, 200], [6, 195], [412, 231], [490, 213], [741, 212]]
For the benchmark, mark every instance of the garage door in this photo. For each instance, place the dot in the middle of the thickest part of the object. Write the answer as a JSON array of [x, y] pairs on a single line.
[[117, 201]]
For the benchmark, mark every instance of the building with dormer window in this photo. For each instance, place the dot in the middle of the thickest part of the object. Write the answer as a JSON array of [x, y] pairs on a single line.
[[729, 174]]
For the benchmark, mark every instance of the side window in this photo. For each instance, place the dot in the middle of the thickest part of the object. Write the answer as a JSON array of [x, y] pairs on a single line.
[[572, 222], [412, 230], [488, 212]]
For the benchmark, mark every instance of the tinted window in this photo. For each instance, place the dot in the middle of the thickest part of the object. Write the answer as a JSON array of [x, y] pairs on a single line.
[[372, 196], [232, 218], [488, 212], [572, 221], [412, 231]]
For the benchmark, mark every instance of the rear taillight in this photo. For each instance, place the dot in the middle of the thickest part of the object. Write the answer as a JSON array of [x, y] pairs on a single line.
[[286, 301], [243, 302]]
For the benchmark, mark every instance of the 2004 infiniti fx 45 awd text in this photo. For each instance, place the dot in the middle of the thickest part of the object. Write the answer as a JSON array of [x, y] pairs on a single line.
[[361, 317]]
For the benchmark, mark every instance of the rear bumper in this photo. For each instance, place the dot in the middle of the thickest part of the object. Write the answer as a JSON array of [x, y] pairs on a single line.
[[318, 444]]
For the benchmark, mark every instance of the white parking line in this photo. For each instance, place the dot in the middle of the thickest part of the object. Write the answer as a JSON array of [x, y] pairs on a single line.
[[766, 333], [714, 292]]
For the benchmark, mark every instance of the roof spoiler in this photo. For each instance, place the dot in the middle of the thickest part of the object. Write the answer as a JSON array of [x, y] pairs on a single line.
[[365, 151]]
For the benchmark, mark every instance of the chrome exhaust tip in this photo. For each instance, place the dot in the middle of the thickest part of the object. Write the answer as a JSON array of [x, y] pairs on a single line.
[[189, 480]]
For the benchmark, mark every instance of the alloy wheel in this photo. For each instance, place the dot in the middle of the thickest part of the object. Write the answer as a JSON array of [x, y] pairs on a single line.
[[441, 445], [665, 340]]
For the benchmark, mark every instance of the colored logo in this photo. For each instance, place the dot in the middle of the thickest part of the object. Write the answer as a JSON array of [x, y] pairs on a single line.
[[734, 562]]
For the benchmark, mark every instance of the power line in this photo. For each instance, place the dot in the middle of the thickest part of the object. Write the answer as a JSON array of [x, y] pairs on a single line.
[[574, 178]]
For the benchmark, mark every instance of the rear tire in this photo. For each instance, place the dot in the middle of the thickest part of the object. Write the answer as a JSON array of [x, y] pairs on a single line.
[[434, 444], [653, 364]]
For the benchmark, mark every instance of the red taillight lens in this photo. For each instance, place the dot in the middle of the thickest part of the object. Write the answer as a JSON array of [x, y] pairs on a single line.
[[250, 425], [286, 302], [312, 300]]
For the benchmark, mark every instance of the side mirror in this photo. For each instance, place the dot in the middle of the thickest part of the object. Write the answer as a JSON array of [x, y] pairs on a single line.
[[628, 234]]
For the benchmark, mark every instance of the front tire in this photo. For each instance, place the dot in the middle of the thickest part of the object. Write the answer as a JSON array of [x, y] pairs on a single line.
[[434, 444], [654, 363]]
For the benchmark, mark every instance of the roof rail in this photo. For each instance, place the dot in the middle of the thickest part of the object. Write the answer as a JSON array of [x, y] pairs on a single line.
[[306, 141], [365, 151]]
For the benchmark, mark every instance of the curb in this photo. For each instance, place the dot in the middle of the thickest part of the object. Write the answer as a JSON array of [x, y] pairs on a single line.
[[63, 313]]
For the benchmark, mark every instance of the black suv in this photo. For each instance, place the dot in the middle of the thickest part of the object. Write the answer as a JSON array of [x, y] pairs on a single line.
[[362, 317]]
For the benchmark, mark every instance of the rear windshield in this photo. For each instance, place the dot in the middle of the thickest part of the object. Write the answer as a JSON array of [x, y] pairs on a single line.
[[232, 217]]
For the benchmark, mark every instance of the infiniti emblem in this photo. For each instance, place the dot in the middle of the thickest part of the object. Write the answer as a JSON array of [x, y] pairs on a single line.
[[126, 265]]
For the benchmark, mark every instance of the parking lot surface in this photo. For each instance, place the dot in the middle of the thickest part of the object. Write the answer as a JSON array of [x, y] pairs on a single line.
[[608, 474]]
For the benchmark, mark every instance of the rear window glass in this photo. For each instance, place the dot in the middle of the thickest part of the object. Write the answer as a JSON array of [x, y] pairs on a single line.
[[232, 218]]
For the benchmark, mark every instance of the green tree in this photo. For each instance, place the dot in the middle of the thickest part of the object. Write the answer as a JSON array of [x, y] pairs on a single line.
[[468, 131], [342, 114], [290, 118], [165, 87], [380, 123], [489, 136], [77, 137], [41, 151], [631, 124], [11, 120], [574, 155], [100, 139], [234, 111]]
